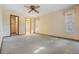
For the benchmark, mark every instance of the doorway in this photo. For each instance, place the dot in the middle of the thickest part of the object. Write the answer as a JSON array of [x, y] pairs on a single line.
[[28, 26], [14, 25]]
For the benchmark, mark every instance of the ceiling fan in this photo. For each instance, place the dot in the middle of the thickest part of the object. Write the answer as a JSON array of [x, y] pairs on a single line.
[[33, 8]]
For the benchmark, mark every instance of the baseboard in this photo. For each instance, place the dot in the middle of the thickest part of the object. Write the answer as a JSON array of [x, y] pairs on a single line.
[[5, 37], [21, 34], [1, 46], [58, 37]]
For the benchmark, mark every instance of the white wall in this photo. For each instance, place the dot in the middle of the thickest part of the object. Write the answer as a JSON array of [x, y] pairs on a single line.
[[1, 28], [35, 24], [21, 24], [54, 23], [33, 21], [6, 22]]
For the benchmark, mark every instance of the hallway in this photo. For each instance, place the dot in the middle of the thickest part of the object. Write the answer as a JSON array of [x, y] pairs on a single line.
[[39, 44]]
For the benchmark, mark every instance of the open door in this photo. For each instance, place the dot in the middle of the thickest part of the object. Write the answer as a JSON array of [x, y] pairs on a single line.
[[14, 25], [28, 26]]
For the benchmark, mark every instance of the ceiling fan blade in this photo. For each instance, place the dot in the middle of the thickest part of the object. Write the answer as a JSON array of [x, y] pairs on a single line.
[[29, 11], [37, 6], [36, 11], [27, 6]]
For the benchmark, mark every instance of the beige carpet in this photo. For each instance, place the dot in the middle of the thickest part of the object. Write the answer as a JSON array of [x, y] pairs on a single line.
[[29, 44]]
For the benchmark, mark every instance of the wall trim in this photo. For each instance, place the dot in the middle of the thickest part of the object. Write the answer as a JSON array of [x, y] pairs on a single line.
[[58, 37], [1, 46]]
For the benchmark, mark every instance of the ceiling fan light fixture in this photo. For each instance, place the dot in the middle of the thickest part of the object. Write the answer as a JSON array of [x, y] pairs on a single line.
[[33, 8]]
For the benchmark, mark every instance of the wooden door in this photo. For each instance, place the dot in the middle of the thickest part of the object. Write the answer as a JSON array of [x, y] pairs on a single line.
[[14, 25]]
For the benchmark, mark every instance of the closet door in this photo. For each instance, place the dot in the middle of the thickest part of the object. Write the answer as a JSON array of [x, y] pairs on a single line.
[[14, 25]]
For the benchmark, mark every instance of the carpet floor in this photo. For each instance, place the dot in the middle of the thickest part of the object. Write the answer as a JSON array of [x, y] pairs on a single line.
[[38, 44]]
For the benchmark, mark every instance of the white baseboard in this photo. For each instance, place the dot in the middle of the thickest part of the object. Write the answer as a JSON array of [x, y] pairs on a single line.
[[1, 41]]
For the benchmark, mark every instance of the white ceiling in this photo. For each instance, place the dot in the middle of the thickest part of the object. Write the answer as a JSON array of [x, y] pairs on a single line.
[[44, 8]]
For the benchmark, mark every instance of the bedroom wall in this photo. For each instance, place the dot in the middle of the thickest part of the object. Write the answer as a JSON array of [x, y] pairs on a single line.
[[6, 22], [1, 28], [54, 23]]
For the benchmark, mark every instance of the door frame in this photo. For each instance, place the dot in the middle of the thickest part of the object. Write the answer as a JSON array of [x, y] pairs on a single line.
[[10, 24], [30, 25]]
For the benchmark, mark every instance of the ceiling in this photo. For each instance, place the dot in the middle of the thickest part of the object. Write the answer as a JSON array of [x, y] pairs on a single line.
[[44, 8]]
